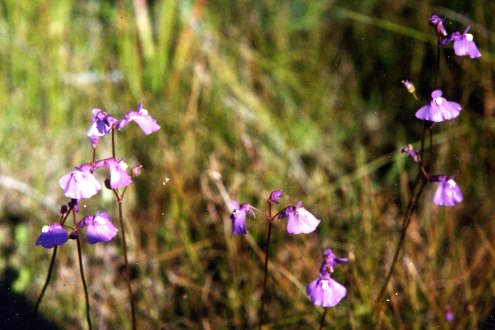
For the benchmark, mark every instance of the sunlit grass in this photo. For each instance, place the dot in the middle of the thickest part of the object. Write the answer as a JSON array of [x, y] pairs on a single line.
[[303, 96]]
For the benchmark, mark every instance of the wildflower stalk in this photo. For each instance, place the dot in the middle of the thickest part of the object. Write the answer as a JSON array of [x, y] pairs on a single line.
[[86, 295], [322, 322], [48, 276], [263, 295], [126, 262]]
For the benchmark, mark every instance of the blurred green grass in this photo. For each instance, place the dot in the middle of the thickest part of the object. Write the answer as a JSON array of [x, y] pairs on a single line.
[[252, 96]]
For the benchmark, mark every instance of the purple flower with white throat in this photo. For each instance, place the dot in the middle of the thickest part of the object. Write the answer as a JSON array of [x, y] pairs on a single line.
[[140, 117], [100, 228], [53, 235], [448, 192], [463, 44], [80, 183], [238, 217], [439, 109], [118, 174], [325, 291], [300, 220], [102, 124]]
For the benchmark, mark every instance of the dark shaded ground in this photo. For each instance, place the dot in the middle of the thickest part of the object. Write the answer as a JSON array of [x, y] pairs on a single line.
[[16, 312]]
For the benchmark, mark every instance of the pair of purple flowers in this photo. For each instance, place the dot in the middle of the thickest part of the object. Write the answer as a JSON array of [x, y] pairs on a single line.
[[325, 291], [82, 183], [463, 43], [300, 220]]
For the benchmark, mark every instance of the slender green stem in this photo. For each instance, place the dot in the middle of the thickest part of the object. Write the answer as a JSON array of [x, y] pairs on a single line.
[[86, 295], [322, 322], [50, 270], [263, 294], [127, 273]]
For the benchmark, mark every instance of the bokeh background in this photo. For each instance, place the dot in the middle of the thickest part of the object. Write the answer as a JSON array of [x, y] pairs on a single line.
[[252, 96]]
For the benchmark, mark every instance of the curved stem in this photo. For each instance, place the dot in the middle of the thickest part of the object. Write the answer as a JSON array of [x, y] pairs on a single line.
[[406, 221], [50, 270], [86, 296], [322, 322], [127, 274]]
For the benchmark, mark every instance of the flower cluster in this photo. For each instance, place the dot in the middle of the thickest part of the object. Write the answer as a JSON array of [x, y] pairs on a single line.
[[82, 182], [299, 220], [325, 291], [439, 109]]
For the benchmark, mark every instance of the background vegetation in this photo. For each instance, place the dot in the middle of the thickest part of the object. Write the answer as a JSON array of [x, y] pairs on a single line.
[[252, 96]]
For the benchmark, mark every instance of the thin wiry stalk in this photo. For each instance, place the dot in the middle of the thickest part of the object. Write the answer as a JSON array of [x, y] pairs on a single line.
[[127, 274], [263, 295], [86, 295], [48, 276], [322, 322]]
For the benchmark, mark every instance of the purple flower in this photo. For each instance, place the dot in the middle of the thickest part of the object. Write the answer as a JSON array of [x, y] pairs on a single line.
[[118, 174], [412, 153], [80, 183], [448, 192], [142, 118], [100, 228], [238, 217], [102, 124], [52, 236], [449, 315], [326, 292], [439, 109], [329, 261], [274, 196], [301, 221], [437, 23], [464, 44]]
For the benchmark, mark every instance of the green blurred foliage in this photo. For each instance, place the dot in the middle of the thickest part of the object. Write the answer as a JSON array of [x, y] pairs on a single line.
[[252, 96]]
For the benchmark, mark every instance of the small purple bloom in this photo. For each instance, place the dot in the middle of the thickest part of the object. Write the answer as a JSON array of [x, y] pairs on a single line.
[[118, 174], [301, 221], [412, 153], [238, 217], [52, 236], [274, 196], [409, 86], [330, 260], [80, 183], [439, 109], [448, 192], [464, 44], [437, 23], [100, 228], [102, 124], [326, 292], [449, 315], [140, 117]]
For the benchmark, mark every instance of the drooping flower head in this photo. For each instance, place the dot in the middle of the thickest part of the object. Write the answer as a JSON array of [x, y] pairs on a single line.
[[118, 172], [325, 291], [437, 23], [52, 236], [274, 196], [100, 228], [300, 220], [140, 117], [102, 124], [439, 109], [409, 149], [80, 183], [463, 44], [448, 192], [238, 217], [330, 261]]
